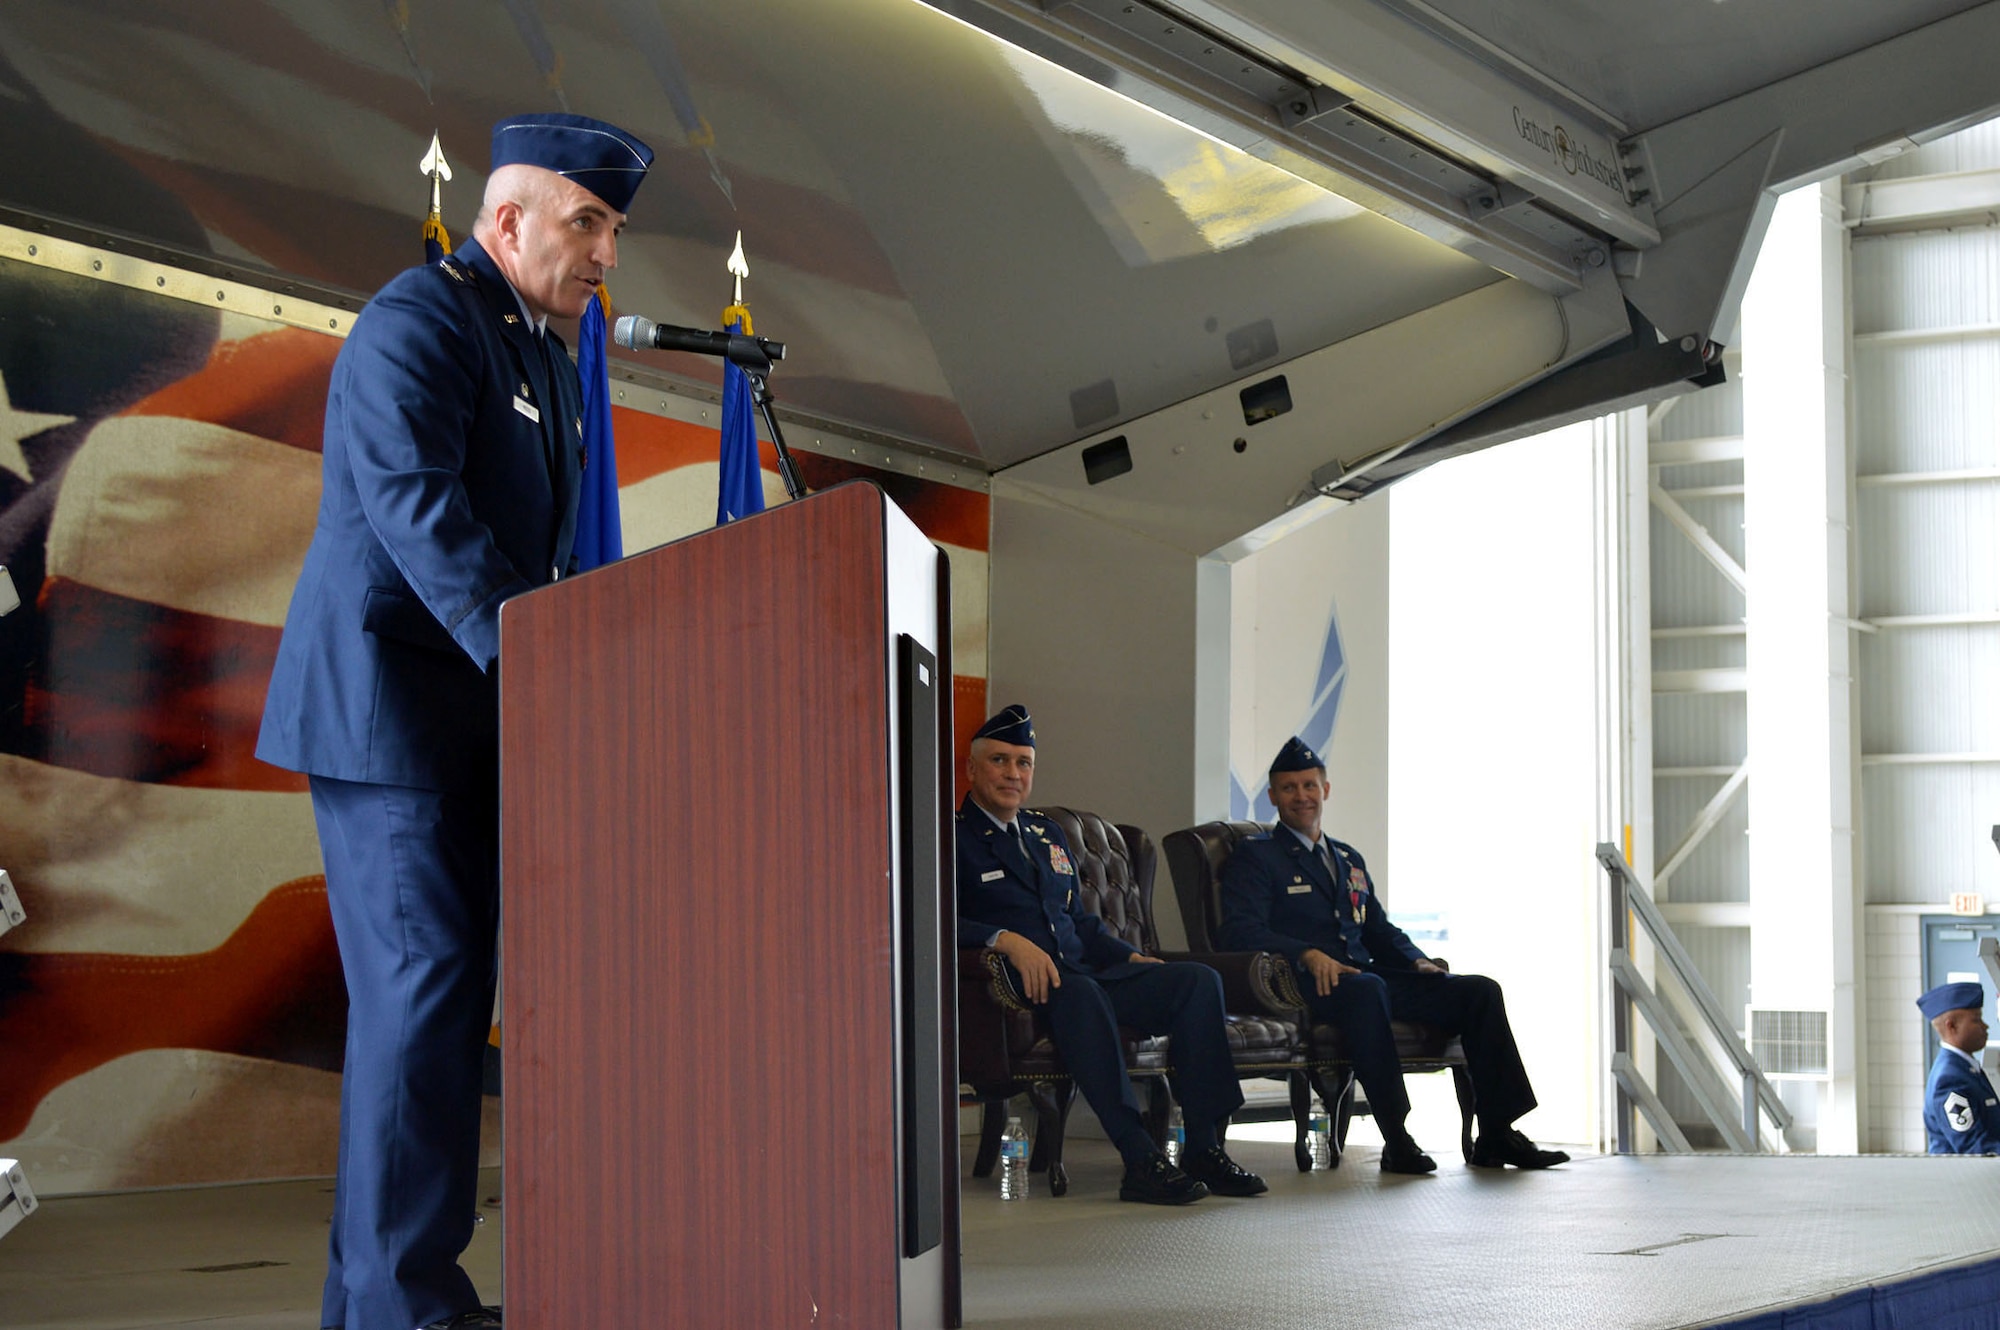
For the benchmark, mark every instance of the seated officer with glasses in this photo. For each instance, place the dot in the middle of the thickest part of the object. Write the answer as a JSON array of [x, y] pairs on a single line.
[[1017, 894]]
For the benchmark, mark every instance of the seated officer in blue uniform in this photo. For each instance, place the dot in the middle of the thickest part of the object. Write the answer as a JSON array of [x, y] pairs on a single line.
[[452, 465], [1297, 891], [1017, 894], [1961, 1111]]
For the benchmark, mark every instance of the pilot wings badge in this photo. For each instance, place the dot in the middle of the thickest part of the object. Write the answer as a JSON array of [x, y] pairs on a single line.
[[1958, 1111]]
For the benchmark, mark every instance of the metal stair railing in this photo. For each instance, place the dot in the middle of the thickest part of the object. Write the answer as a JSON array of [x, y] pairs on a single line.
[[1697, 1066]]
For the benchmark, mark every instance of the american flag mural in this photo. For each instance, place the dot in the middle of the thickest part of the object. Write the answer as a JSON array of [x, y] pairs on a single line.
[[173, 1010]]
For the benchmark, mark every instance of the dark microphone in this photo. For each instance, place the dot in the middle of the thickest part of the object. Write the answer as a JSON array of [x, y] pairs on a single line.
[[642, 334]]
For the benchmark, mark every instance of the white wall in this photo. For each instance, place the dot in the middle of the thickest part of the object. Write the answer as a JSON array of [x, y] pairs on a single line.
[[1092, 627], [1329, 576], [1493, 748]]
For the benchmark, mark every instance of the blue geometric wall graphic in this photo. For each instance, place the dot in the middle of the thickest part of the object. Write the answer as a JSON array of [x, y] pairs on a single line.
[[1250, 802]]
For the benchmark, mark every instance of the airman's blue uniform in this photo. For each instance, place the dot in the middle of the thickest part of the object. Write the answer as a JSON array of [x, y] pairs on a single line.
[[1030, 888], [451, 473], [1279, 895], [1961, 1110]]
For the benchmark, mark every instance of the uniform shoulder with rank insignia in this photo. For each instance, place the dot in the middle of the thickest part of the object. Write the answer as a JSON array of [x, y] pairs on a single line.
[[1961, 1109]]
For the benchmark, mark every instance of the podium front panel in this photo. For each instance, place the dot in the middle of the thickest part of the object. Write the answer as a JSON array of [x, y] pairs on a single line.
[[699, 1035]]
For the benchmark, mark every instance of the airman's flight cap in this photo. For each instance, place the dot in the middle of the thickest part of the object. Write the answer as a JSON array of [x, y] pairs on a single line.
[[1012, 725], [603, 158], [1950, 997], [1296, 756]]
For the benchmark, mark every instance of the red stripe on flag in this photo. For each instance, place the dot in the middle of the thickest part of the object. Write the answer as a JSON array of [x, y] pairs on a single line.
[[273, 990], [137, 691], [272, 385], [649, 445]]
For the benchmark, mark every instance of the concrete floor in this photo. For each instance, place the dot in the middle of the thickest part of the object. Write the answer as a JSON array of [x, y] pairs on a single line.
[[1603, 1242]]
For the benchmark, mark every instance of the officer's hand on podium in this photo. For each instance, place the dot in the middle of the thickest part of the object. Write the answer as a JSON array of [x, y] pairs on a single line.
[[1035, 966], [1325, 970]]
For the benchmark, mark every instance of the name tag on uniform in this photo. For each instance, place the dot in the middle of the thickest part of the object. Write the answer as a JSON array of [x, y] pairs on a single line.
[[1299, 889], [528, 409], [988, 877]]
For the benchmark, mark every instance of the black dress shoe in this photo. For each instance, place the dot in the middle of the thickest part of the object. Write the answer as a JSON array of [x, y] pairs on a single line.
[[1222, 1175], [1401, 1154], [1156, 1182], [1499, 1149], [475, 1319]]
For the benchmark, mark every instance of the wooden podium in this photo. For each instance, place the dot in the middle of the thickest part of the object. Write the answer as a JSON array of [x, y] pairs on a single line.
[[729, 1065]]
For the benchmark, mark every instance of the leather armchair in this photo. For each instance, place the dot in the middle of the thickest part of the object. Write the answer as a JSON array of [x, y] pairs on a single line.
[[1195, 856], [1005, 1048]]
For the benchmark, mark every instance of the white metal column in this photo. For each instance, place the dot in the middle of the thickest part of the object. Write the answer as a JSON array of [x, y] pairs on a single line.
[[1800, 707]]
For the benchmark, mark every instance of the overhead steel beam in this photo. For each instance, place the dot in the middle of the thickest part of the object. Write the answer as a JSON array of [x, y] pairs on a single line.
[[1963, 198], [1636, 370], [1715, 174], [1415, 70], [1319, 119]]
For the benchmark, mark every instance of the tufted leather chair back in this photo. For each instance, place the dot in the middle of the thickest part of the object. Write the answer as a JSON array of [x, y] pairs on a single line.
[[1195, 856], [1114, 868]]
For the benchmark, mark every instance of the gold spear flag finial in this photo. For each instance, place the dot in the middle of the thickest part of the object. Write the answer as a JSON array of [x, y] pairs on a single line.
[[439, 170], [739, 268]]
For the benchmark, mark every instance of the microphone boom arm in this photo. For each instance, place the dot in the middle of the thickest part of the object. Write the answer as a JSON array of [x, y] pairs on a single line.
[[755, 356], [760, 392]]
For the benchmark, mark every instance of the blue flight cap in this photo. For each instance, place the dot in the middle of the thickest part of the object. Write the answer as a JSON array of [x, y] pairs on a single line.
[[1951, 997], [603, 158], [1012, 725], [1295, 756]]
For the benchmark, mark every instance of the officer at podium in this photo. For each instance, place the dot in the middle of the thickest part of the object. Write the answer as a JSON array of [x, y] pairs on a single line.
[[1961, 1111], [450, 477], [1017, 886]]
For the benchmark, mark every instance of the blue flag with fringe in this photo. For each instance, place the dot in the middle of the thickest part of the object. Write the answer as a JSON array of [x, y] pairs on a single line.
[[740, 490], [599, 537]]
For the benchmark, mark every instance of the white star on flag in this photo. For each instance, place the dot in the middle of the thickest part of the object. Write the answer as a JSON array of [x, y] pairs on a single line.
[[16, 426]]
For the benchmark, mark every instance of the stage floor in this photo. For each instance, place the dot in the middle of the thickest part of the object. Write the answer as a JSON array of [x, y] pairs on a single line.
[[1603, 1242]]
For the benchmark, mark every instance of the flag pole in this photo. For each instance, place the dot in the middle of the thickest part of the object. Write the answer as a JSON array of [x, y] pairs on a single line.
[[749, 354]]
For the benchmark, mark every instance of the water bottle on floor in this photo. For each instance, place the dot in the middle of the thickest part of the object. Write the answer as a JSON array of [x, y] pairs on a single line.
[[1319, 1139], [1176, 1136], [1013, 1162]]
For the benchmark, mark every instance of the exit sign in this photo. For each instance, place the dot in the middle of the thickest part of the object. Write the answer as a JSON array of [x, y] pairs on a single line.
[[1967, 902]]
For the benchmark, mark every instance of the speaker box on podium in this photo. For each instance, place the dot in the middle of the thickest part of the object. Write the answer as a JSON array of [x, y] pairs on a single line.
[[728, 1061]]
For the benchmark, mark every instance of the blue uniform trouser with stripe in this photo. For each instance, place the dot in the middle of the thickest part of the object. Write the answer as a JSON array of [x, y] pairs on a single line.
[[412, 879], [1181, 1000]]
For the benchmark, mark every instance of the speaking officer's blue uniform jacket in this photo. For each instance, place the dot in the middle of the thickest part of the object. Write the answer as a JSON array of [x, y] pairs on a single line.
[[450, 482], [1279, 895], [451, 474], [1961, 1110], [1033, 892]]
